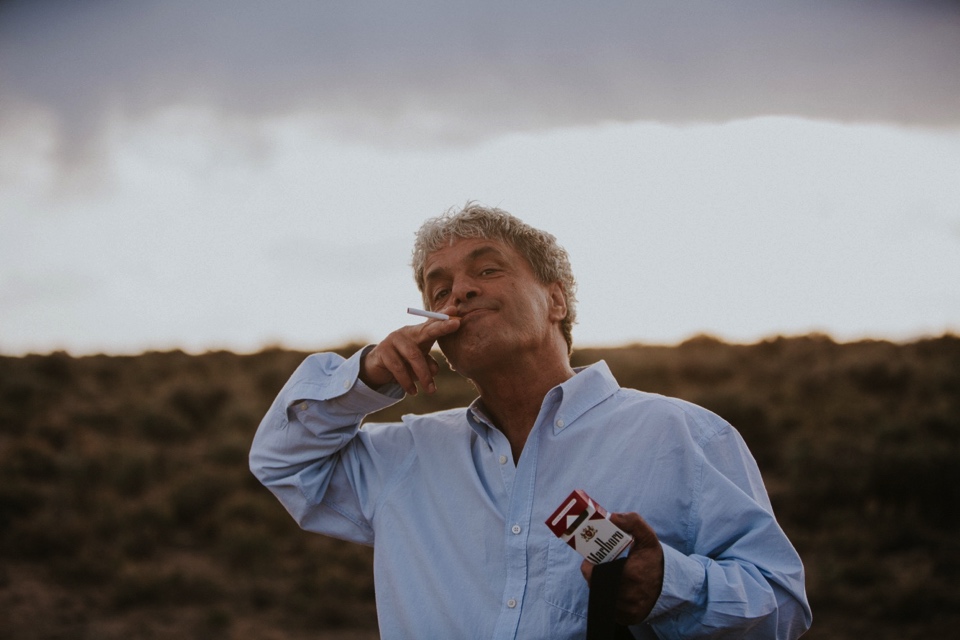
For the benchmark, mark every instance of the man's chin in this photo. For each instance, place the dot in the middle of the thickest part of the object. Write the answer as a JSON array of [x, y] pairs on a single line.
[[450, 351], [464, 356]]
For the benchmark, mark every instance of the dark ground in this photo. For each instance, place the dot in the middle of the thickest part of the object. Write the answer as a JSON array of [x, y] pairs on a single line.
[[127, 510]]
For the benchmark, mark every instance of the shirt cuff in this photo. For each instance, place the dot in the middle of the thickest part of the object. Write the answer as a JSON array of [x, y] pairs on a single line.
[[340, 385], [683, 579]]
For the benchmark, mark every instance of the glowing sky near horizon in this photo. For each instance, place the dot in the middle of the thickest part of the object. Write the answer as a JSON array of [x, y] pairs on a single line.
[[243, 174]]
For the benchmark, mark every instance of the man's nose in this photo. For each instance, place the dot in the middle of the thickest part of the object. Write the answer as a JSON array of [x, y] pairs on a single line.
[[464, 290]]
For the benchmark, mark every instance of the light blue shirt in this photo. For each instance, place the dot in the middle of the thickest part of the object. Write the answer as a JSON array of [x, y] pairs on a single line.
[[461, 549]]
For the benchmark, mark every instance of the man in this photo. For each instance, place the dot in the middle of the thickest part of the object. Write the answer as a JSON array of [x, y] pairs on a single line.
[[454, 503]]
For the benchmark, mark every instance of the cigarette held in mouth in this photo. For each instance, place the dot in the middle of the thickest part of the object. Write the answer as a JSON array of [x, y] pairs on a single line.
[[427, 314]]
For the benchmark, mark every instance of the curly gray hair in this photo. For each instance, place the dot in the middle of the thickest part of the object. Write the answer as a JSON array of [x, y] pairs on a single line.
[[549, 260]]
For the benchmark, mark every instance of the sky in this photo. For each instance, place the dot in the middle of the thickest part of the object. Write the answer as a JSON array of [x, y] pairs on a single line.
[[242, 174]]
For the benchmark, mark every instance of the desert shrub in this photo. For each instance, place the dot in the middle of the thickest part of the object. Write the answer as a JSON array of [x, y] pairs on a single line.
[[216, 620], [698, 373], [261, 595], [17, 400], [230, 451], [92, 566], [163, 426], [750, 419], [880, 378], [253, 509], [334, 596], [131, 474], [31, 459], [49, 535], [144, 530], [198, 405], [125, 498], [18, 500], [269, 370], [54, 432], [917, 481], [246, 547], [100, 419], [149, 587], [941, 427], [197, 495], [56, 367]]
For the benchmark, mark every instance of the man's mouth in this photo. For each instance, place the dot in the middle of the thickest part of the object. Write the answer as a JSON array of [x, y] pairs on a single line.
[[469, 312]]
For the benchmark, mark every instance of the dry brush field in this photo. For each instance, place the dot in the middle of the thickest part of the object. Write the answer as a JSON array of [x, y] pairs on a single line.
[[127, 510]]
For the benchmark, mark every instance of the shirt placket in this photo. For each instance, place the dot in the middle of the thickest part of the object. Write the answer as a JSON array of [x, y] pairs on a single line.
[[517, 525]]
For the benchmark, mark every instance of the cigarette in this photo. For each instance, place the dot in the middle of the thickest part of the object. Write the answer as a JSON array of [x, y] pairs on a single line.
[[427, 314]]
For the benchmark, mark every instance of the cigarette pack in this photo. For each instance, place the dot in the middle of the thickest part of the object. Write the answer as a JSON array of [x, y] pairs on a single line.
[[585, 525]]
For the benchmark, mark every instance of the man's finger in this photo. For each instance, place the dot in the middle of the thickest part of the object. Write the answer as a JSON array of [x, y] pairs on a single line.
[[586, 568], [429, 331], [642, 578], [418, 363], [393, 362], [404, 356], [632, 523]]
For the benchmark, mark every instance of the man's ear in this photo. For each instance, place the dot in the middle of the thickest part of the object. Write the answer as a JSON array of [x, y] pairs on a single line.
[[558, 302]]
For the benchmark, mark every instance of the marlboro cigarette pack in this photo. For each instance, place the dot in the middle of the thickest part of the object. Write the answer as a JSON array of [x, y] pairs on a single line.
[[584, 525]]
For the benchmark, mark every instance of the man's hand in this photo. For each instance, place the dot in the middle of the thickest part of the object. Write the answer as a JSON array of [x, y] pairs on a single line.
[[404, 356], [643, 573]]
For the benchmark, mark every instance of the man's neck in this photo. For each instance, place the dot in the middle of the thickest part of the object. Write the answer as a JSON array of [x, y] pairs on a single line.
[[512, 398]]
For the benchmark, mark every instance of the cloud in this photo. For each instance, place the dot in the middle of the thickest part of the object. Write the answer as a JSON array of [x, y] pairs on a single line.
[[440, 71], [741, 230]]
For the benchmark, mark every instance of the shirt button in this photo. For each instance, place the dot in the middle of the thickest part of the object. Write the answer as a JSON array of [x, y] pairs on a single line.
[[515, 528], [347, 384], [512, 603], [303, 406], [503, 459], [560, 424]]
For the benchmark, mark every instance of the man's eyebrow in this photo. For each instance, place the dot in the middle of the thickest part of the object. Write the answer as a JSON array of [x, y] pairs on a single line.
[[433, 274], [479, 252]]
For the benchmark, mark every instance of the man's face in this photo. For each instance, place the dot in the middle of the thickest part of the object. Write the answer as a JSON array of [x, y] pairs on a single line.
[[506, 311]]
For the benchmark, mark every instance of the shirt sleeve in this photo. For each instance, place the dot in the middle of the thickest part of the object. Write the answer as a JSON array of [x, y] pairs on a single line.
[[310, 452], [740, 576]]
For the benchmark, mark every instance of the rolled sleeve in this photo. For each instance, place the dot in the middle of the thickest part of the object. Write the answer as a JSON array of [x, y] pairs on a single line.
[[683, 580], [299, 450]]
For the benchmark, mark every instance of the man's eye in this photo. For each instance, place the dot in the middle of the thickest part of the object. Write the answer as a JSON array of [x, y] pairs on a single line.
[[440, 293]]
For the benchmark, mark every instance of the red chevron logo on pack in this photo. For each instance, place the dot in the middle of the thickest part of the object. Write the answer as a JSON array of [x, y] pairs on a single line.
[[585, 525]]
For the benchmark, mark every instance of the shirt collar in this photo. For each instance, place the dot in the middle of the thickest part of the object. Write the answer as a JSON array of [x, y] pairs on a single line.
[[589, 387]]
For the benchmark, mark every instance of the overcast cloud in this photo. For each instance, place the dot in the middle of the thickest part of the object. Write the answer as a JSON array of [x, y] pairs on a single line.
[[238, 173], [431, 71]]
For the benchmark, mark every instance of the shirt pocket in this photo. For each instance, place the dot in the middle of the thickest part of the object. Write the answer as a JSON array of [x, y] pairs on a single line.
[[565, 587]]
